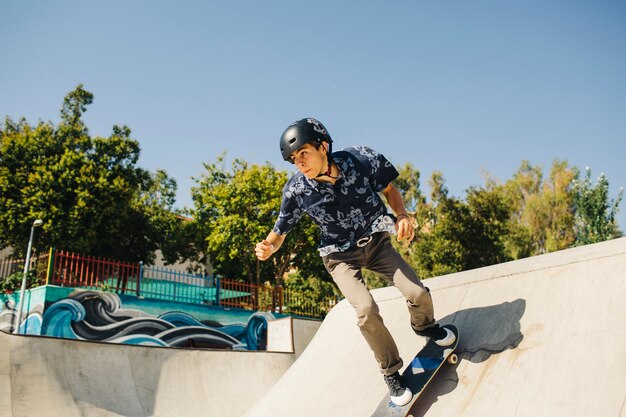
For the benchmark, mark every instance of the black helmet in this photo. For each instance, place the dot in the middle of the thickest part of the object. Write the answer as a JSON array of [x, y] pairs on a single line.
[[300, 133]]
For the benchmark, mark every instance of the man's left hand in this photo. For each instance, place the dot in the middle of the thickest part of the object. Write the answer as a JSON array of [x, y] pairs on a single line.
[[404, 229]]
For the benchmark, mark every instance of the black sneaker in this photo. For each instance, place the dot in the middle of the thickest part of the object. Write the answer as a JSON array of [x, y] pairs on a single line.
[[398, 393], [442, 336]]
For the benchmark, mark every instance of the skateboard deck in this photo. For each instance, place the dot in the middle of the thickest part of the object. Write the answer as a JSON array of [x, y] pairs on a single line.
[[419, 373]]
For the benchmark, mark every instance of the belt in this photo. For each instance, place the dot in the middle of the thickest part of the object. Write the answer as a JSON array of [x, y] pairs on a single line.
[[364, 241]]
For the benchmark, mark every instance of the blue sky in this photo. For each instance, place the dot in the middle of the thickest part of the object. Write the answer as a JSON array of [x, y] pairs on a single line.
[[460, 87]]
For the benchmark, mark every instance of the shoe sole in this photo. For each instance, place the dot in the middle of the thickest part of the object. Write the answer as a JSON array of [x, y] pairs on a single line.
[[402, 400]]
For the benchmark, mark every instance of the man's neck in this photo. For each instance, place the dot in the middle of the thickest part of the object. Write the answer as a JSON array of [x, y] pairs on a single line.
[[334, 172]]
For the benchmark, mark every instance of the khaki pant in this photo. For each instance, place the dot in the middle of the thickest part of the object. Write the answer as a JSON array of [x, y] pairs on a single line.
[[380, 257]]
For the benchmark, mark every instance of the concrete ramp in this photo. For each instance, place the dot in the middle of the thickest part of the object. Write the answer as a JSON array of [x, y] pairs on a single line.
[[42, 377], [543, 336]]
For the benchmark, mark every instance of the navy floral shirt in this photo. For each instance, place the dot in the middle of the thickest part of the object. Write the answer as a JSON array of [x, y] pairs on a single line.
[[346, 211]]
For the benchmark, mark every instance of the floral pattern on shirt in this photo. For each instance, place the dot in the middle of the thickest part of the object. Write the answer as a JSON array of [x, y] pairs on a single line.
[[346, 211]]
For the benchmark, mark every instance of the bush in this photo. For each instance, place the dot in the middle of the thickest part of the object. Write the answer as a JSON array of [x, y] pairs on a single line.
[[13, 282]]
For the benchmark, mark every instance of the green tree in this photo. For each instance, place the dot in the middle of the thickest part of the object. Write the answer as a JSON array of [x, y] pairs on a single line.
[[234, 209], [462, 235], [440, 249], [408, 183], [595, 213], [74, 105], [523, 187], [313, 294], [160, 223], [88, 190], [558, 196], [490, 212], [542, 209]]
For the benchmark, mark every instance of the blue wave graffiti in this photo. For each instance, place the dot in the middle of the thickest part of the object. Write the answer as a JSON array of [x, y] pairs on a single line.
[[93, 315]]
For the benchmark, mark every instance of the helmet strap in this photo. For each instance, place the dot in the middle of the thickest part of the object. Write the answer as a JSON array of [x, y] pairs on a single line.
[[330, 164]]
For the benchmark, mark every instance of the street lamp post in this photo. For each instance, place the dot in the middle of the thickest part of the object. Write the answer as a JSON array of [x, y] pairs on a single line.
[[36, 223]]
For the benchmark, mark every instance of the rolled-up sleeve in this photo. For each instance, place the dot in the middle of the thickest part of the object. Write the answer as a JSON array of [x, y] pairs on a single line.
[[290, 213]]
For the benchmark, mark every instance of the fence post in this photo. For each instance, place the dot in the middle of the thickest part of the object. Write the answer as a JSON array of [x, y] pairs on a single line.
[[256, 297], [139, 278], [50, 270], [217, 290], [274, 299]]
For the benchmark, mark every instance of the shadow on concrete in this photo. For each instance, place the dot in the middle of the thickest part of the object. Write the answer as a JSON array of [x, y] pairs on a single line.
[[484, 332]]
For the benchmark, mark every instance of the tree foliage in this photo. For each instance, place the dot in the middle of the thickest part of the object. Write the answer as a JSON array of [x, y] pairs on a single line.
[[542, 209], [314, 294], [594, 219], [461, 234], [527, 215], [89, 192]]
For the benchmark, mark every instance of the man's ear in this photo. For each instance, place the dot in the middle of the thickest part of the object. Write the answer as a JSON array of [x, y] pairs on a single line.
[[325, 146]]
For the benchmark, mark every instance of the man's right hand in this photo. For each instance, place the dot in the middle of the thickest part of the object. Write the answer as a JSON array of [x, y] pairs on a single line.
[[264, 250]]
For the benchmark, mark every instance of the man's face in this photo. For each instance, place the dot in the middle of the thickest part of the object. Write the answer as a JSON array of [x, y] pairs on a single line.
[[309, 160]]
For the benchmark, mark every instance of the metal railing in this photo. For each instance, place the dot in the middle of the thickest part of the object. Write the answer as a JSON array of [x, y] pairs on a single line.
[[10, 266], [169, 284], [73, 270], [249, 296], [295, 302]]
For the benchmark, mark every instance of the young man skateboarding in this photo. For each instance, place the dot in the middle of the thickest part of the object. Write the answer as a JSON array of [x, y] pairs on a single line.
[[339, 192]]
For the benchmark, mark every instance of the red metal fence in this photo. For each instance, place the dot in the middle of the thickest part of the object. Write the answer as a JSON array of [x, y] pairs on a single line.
[[269, 298], [72, 270], [249, 296]]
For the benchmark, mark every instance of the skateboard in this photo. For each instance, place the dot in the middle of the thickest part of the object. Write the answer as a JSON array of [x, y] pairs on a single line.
[[419, 373]]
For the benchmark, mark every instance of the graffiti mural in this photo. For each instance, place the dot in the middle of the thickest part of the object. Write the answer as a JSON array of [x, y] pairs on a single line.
[[8, 315], [31, 322], [94, 315]]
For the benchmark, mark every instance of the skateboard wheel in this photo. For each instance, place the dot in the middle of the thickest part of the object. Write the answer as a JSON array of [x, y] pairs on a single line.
[[453, 359]]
